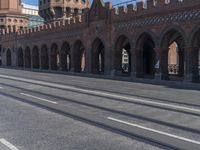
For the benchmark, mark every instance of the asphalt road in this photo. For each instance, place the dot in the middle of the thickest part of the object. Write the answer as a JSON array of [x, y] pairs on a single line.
[[41, 111]]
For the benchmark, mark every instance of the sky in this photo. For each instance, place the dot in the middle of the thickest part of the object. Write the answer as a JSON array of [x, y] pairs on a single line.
[[35, 2]]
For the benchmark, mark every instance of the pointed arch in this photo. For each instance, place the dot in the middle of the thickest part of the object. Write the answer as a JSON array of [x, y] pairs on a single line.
[[122, 55], [35, 57], [173, 54], [98, 56], [146, 56], [8, 57], [65, 61], [27, 57], [44, 56], [20, 58], [79, 56]]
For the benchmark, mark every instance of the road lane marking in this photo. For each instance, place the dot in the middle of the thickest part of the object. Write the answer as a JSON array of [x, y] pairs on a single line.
[[100, 93], [1, 87], [155, 131], [42, 99], [8, 144]]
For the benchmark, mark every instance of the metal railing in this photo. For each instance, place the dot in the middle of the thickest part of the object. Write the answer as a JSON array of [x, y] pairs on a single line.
[[173, 69]]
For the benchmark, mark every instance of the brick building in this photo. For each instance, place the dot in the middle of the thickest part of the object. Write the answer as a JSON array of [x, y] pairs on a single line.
[[11, 16], [161, 39]]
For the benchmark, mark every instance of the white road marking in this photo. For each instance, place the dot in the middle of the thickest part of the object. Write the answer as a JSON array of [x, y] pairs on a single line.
[[1, 87], [100, 93], [42, 99], [155, 131], [8, 144]]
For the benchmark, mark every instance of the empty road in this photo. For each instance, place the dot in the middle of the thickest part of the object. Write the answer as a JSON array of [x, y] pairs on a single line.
[[43, 111]]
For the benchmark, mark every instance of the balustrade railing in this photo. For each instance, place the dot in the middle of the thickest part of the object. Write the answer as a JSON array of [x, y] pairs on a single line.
[[173, 69]]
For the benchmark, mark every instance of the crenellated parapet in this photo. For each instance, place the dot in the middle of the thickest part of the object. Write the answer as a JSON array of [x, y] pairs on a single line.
[[151, 12], [65, 25], [143, 9]]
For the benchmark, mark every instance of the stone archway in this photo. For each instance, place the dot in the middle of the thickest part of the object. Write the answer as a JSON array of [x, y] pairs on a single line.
[[122, 54], [27, 57], [98, 56], [55, 59], [20, 58], [79, 57], [146, 56], [35, 58], [8, 57], [44, 56], [65, 61], [173, 44]]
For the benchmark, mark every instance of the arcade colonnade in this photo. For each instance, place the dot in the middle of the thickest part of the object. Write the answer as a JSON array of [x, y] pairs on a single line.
[[172, 57]]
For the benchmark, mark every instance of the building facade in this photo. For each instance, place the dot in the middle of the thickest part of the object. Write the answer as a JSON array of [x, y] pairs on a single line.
[[52, 10], [161, 39], [11, 17], [31, 12]]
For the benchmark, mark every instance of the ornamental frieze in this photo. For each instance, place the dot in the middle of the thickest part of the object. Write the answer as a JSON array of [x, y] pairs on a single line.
[[157, 20]]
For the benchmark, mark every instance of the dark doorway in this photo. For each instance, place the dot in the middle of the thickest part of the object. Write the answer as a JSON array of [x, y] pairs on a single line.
[[98, 57], [35, 58], [20, 58], [8, 58], [65, 57], [27, 58]]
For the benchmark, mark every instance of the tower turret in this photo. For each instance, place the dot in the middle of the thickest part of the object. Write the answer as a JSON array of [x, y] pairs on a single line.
[[11, 16], [61, 9]]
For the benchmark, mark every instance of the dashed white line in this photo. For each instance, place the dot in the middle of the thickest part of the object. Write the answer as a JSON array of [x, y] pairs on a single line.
[[155, 131], [8, 144], [101, 93], [1, 87], [42, 99]]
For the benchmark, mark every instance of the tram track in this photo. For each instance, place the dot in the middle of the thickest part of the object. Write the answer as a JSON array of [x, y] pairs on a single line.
[[88, 104], [107, 116]]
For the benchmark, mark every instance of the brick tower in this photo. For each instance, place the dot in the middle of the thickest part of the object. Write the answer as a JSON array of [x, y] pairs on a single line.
[[11, 16], [52, 10]]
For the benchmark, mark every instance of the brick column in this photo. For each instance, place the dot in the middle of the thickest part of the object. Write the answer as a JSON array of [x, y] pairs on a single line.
[[72, 59], [191, 64]]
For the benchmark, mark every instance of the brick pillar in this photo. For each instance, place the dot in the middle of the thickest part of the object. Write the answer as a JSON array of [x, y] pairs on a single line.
[[191, 66], [72, 59], [164, 63], [182, 62]]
